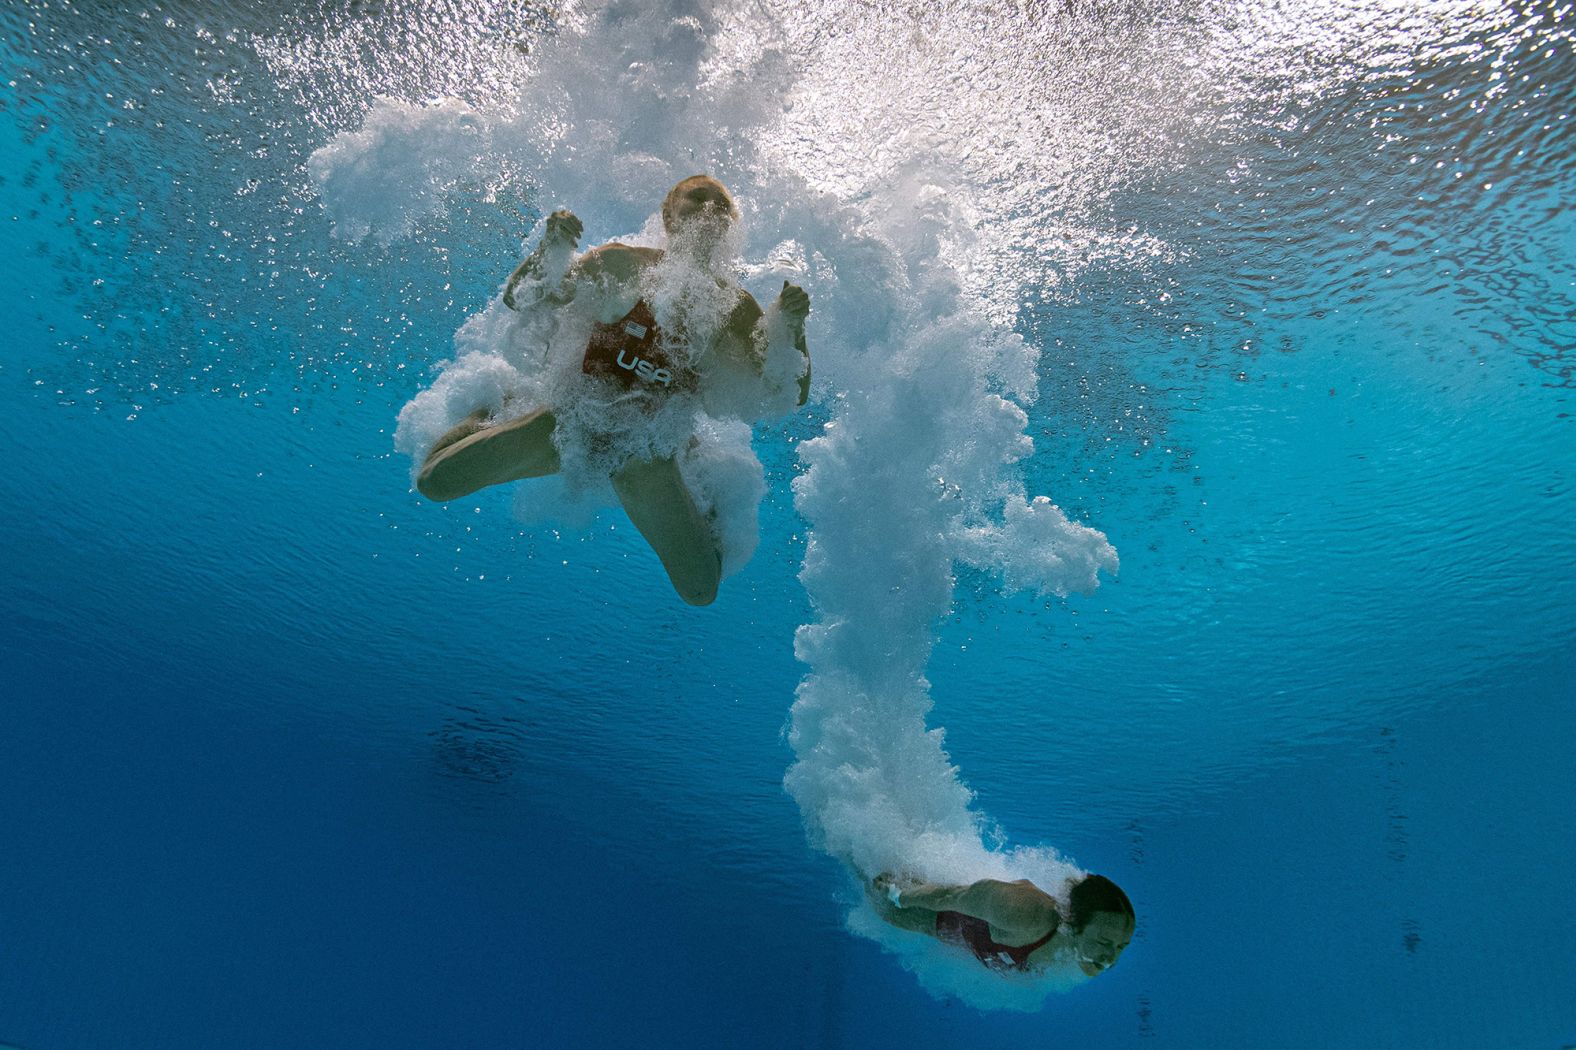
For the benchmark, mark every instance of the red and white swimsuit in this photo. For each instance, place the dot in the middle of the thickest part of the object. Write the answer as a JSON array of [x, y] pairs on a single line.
[[966, 931]]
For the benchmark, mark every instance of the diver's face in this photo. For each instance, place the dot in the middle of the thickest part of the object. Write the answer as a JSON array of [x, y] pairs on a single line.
[[703, 200], [1100, 943]]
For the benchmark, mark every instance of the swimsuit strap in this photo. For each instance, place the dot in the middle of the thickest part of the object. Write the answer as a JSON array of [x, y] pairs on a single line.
[[973, 933], [1029, 949]]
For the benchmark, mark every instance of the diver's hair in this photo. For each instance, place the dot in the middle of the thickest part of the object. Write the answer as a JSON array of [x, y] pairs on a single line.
[[671, 202], [1094, 894]]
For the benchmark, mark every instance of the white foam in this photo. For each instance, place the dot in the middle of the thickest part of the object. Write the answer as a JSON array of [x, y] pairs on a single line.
[[917, 470], [1039, 549], [398, 169]]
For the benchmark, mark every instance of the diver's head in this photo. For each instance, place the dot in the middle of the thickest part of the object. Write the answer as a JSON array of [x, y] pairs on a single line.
[[699, 196], [1100, 923]]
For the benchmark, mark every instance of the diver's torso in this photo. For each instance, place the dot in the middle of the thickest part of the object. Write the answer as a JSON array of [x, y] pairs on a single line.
[[633, 346], [634, 352]]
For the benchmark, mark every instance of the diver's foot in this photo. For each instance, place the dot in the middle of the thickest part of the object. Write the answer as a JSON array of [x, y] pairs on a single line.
[[464, 463]]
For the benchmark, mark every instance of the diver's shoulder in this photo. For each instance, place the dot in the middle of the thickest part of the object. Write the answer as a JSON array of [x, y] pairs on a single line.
[[620, 248], [745, 308], [1029, 907], [617, 257]]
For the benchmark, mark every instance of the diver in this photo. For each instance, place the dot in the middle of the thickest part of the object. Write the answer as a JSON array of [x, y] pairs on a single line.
[[635, 358], [1013, 926]]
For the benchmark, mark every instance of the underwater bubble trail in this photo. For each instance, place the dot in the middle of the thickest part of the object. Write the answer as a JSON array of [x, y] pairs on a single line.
[[891, 506]]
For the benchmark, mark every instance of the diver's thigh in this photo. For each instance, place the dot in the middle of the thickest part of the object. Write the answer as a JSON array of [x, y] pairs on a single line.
[[658, 502], [520, 448]]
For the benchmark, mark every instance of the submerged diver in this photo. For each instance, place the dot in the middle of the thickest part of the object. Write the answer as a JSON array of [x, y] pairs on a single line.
[[634, 357], [1013, 926]]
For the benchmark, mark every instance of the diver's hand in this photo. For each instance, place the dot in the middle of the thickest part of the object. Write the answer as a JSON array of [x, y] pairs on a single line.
[[563, 226], [885, 885], [794, 304]]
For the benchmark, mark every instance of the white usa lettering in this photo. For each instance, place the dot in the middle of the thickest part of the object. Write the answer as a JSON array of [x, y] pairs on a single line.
[[644, 369]]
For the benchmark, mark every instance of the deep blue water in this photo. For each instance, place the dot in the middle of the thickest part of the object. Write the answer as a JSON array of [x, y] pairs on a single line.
[[290, 757]]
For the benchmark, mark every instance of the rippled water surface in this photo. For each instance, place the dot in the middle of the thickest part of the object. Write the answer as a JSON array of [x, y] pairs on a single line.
[[291, 757]]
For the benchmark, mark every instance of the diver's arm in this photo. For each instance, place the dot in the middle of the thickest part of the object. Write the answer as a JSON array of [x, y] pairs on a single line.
[[793, 303], [563, 234], [1015, 908], [738, 340], [771, 333], [804, 380], [880, 894]]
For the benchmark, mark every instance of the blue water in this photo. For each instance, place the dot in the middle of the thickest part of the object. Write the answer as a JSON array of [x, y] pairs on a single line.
[[291, 757]]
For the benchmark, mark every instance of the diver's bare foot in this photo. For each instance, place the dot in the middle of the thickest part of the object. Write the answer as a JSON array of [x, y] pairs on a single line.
[[464, 463]]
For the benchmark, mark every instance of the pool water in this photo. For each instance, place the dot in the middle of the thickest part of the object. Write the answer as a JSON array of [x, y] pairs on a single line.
[[290, 756]]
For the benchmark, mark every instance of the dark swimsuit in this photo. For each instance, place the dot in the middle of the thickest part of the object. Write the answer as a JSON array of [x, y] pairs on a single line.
[[966, 931], [632, 353]]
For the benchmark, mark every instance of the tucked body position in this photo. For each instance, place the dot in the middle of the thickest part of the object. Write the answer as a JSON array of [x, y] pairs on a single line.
[[664, 324], [1013, 926]]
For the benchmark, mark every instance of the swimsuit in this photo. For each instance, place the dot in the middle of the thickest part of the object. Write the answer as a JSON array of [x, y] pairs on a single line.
[[631, 352], [965, 931]]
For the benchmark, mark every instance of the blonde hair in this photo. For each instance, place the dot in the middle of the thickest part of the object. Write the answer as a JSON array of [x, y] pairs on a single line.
[[671, 202]]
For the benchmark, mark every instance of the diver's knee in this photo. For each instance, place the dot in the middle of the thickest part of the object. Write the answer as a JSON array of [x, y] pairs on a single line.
[[699, 599], [698, 592], [431, 492], [432, 485]]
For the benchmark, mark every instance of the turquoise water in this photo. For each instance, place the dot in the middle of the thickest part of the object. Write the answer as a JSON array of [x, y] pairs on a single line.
[[292, 757]]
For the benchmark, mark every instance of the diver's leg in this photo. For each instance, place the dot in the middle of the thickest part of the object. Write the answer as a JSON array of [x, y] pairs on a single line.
[[654, 494], [463, 461]]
